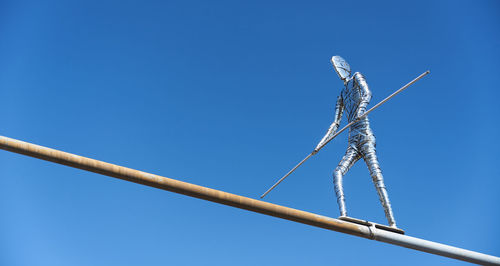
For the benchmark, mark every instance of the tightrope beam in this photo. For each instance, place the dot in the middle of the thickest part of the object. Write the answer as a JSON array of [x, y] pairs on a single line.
[[241, 202]]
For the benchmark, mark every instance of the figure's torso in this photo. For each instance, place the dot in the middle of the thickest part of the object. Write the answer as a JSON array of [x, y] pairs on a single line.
[[352, 95]]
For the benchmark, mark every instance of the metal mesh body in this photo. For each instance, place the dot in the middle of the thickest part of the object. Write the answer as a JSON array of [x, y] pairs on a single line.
[[353, 101]]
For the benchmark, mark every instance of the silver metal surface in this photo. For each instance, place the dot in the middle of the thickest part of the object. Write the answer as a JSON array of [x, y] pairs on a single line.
[[341, 67], [353, 101], [241, 202], [433, 247]]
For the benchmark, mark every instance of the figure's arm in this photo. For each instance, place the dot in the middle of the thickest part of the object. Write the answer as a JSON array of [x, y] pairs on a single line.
[[339, 109], [366, 94]]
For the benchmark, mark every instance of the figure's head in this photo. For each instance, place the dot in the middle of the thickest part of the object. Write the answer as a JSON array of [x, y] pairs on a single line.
[[341, 67]]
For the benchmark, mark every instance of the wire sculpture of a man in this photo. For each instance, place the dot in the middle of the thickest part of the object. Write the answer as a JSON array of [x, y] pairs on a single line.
[[352, 101]]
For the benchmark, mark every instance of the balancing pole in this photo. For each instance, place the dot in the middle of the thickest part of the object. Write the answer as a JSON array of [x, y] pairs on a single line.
[[344, 128]]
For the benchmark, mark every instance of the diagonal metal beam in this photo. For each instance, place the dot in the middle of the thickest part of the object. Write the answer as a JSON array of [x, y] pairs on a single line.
[[241, 202]]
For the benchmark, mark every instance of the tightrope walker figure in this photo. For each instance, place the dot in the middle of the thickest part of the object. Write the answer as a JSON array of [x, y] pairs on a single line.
[[352, 101]]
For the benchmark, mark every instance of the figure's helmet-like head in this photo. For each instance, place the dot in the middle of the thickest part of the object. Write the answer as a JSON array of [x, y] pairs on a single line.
[[341, 67]]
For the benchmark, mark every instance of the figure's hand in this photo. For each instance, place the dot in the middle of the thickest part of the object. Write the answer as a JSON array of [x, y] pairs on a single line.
[[318, 147], [327, 137], [333, 129]]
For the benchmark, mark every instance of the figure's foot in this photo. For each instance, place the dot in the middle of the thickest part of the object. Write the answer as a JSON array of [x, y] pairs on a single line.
[[392, 227]]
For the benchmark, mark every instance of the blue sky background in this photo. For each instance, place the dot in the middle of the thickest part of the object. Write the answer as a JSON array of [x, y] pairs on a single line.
[[230, 95]]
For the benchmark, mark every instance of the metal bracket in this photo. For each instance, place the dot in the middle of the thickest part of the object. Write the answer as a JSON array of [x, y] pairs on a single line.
[[372, 225]]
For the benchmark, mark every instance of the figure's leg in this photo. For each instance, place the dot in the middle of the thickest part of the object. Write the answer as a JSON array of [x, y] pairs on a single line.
[[351, 156], [369, 155]]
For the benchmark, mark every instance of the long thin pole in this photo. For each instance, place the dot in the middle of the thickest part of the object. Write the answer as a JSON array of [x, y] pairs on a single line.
[[287, 174], [346, 127], [241, 202]]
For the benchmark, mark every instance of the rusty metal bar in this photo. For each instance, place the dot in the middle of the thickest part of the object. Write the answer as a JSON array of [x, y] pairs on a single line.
[[241, 202]]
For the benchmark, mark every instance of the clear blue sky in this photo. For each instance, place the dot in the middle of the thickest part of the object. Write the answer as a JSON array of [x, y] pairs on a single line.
[[230, 96]]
